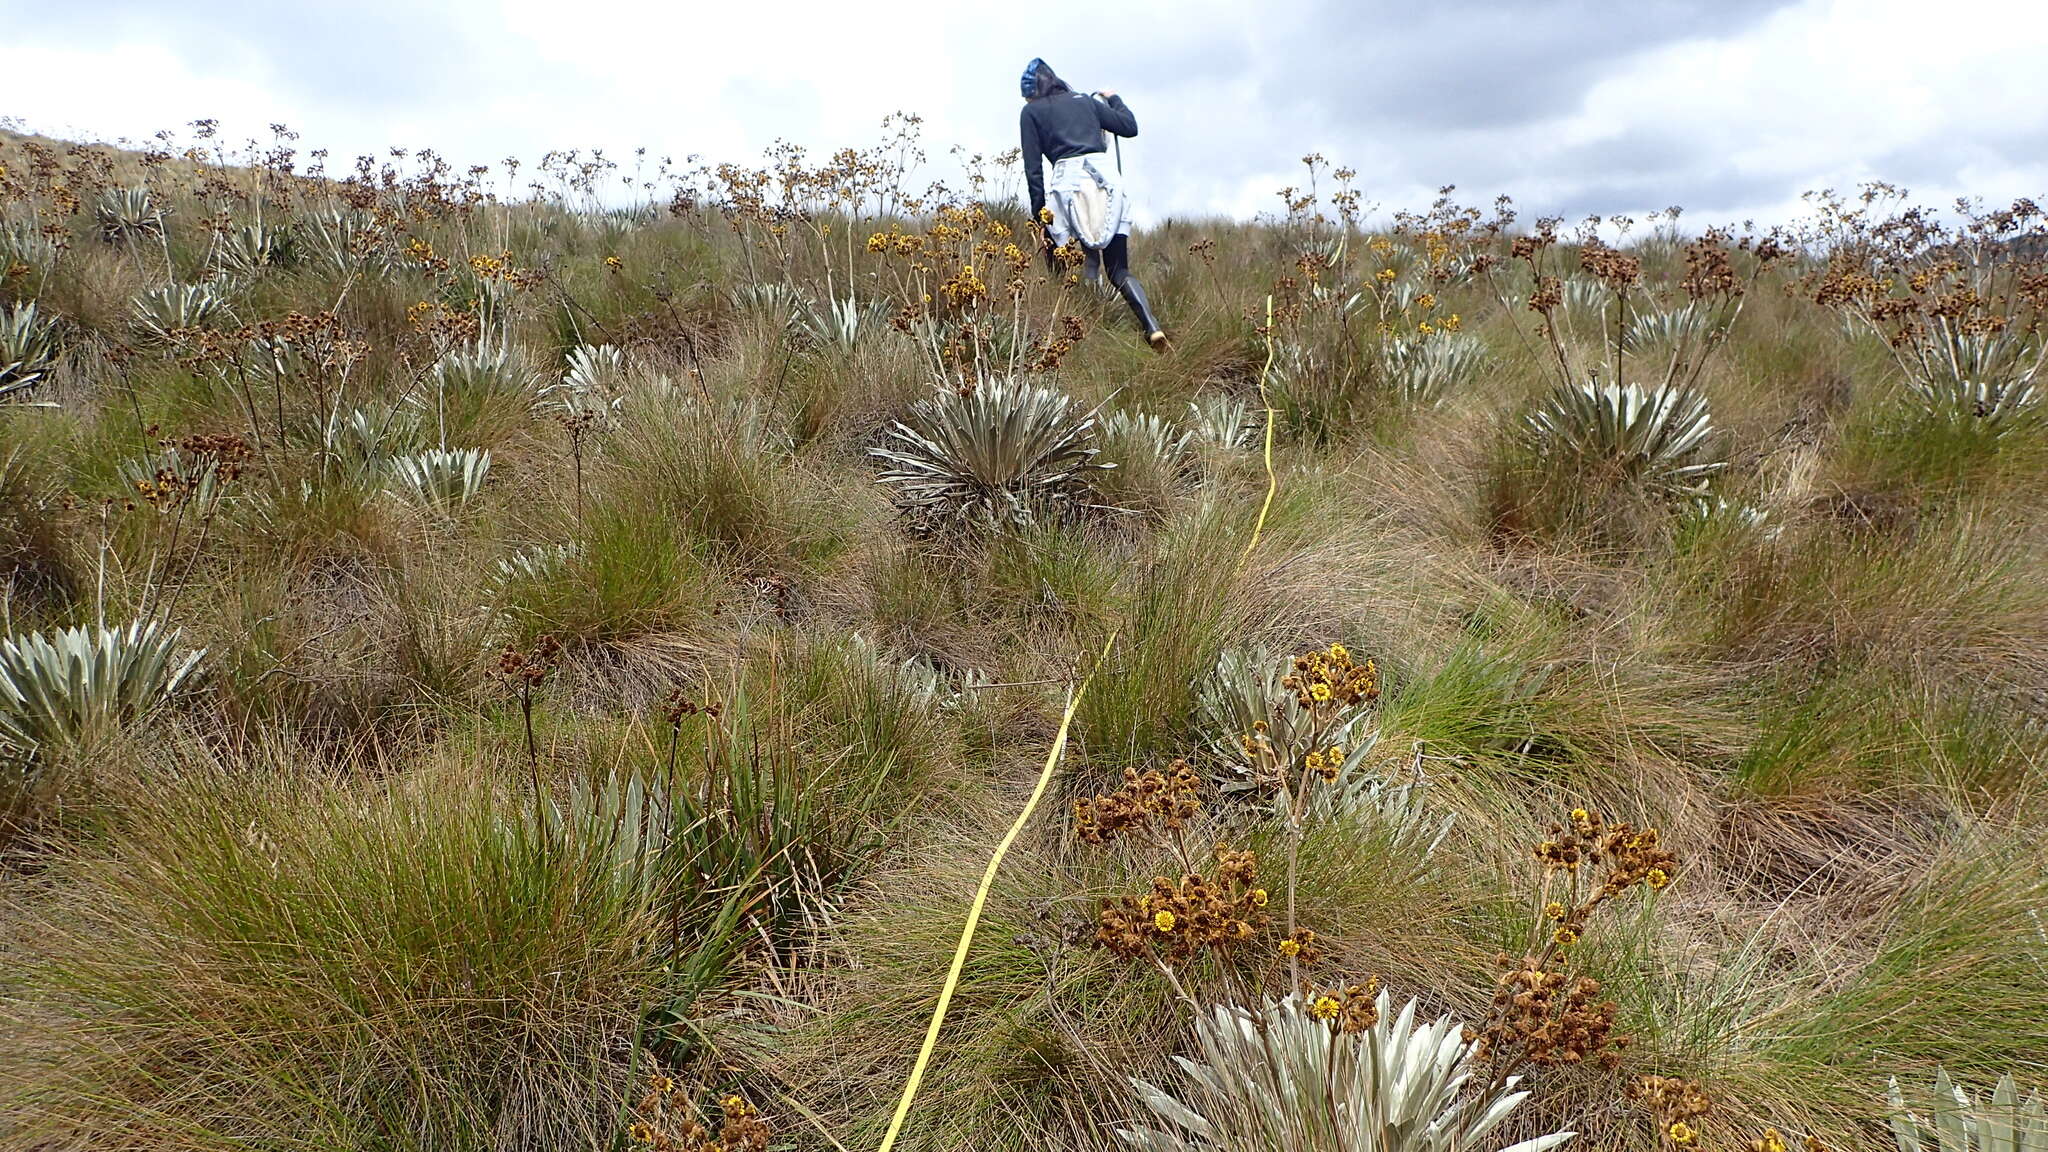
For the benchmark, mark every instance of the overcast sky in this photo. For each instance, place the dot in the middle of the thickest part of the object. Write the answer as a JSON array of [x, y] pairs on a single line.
[[1728, 107]]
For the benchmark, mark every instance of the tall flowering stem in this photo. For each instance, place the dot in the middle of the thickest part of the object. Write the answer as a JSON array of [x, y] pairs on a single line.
[[522, 672], [1541, 1017], [1328, 686]]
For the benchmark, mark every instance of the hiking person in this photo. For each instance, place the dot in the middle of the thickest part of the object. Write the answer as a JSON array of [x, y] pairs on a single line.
[[1086, 194]]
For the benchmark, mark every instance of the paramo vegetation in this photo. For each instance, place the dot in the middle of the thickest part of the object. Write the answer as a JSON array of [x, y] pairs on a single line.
[[539, 657]]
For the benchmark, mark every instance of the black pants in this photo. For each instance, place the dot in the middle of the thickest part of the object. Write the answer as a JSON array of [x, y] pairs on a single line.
[[1115, 259], [1117, 256]]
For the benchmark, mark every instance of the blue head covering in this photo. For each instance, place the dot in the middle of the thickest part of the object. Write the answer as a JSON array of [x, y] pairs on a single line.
[[1039, 81]]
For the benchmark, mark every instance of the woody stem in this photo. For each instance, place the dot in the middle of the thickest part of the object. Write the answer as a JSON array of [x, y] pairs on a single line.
[[1178, 990], [1293, 865]]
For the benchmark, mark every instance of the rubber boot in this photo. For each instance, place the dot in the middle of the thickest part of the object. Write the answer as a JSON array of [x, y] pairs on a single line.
[[1135, 297]]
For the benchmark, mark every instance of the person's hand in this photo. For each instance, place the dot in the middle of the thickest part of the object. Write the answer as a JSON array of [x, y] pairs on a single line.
[[1106, 93]]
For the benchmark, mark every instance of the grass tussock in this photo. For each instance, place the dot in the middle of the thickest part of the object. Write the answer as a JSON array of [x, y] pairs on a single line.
[[296, 961]]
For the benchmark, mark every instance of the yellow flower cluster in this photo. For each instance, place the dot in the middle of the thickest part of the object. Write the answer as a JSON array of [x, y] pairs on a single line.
[[665, 1120], [1173, 921], [1330, 676], [1351, 1009], [1330, 761], [1678, 1104], [964, 287]]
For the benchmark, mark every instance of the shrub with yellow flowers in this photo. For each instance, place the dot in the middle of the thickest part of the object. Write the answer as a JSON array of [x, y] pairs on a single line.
[[1541, 1015], [1349, 1010], [1676, 1106], [1174, 922], [1329, 688], [1216, 911], [959, 286], [667, 1119], [1544, 1018], [1357, 321]]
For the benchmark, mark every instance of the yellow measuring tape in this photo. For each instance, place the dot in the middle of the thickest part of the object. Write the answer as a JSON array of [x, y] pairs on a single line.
[[1052, 759], [988, 879], [1272, 481]]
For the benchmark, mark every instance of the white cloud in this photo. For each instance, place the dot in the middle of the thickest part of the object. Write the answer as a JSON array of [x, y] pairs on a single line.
[[127, 88], [1730, 107], [1836, 92]]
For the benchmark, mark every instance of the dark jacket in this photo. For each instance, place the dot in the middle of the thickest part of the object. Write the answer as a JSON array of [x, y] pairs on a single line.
[[1058, 122]]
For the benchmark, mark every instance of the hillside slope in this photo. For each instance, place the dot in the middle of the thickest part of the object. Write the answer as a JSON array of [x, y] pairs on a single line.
[[623, 634]]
